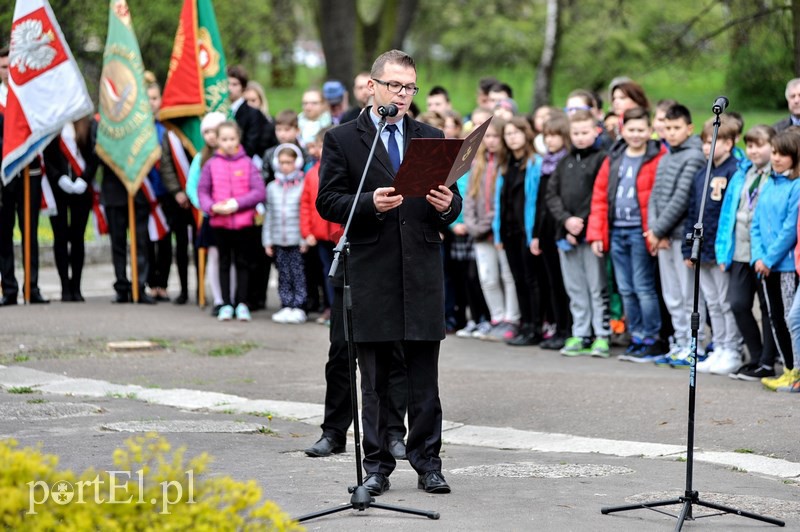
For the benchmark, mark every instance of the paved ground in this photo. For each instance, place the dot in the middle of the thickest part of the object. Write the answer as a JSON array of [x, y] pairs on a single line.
[[535, 441]]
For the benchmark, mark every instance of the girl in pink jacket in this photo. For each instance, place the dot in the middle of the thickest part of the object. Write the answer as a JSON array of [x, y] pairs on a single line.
[[230, 187]]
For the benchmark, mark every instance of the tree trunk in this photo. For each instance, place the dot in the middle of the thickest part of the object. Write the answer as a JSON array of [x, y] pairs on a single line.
[[386, 32], [336, 22], [284, 32], [544, 73], [796, 35]]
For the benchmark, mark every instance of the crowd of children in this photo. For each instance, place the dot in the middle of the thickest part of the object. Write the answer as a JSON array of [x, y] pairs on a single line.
[[566, 214]]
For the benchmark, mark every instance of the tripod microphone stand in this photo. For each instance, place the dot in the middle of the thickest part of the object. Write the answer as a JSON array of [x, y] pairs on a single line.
[[690, 496], [360, 499]]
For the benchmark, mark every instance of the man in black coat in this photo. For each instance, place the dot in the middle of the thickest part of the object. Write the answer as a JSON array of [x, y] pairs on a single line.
[[250, 120], [396, 270], [793, 103]]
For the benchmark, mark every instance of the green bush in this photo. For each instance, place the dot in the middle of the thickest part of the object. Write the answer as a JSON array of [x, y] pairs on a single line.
[[150, 490]]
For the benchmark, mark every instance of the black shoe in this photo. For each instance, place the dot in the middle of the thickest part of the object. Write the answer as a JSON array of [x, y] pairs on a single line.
[[398, 449], [66, 296], [38, 299], [525, 338], [122, 297], [181, 299], [77, 296], [159, 298], [7, 301], [433, 482], [377, 484], [750, 366], [215, 310], [555, 343], [144, 299], [755, 375], [325, 446]]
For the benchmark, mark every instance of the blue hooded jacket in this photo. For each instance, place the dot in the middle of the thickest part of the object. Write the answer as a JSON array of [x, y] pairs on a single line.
[[533, 174], [727, 217], [773, 234]]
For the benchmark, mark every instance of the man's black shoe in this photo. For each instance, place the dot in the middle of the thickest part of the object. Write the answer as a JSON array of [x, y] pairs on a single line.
[[181, 299], [433, 482], [377, 484], [38, 299], [525, 338], [325, 446], [554, 343], [122, 297], [66, 296], [77, 296], [8, 301], [398, 449], [144, 299]]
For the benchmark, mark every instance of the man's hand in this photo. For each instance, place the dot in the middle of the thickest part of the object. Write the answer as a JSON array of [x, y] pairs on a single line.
[[383, 201], [571, 239], [535, 249], [597, 248], [440, 199], [182, 199], [574, 225]]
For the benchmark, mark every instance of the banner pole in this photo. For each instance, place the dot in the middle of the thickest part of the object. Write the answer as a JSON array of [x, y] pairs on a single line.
[[201, 261], [134, 262], [26, 237]]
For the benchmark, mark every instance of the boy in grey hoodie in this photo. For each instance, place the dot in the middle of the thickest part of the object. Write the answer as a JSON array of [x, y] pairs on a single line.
[[666, 214]]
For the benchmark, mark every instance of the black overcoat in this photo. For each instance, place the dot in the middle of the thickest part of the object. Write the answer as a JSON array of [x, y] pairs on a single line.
[[396, 273]]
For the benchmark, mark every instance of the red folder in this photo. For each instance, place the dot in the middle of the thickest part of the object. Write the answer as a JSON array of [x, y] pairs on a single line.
[[429, 163]]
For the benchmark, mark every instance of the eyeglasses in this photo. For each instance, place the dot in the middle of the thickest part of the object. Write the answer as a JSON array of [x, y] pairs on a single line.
[[395, 87]]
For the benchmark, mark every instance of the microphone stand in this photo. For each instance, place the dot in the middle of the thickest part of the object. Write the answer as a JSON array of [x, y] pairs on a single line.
[[690, 496], [360, 499]]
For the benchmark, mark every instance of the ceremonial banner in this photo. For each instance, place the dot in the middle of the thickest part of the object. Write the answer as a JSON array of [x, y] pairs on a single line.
[[126, 135], [197, 82], [45, 87]]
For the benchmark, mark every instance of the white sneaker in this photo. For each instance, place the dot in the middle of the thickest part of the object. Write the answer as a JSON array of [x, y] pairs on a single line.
[[727, 361], [242, 312], [467, 331], [225, 313], [282, 315], [706, 365], [295, 316]]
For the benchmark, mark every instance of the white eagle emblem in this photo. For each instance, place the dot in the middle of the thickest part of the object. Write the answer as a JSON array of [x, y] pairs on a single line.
[[30, 47]]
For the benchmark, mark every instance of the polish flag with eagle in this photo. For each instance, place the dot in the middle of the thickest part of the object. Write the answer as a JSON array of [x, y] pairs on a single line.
[[45, 87]]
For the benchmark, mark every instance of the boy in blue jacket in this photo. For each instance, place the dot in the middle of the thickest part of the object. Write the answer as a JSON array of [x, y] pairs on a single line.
[[726, 356], [733, 253]]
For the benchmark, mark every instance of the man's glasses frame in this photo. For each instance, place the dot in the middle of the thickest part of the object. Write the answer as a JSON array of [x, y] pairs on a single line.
[[395, 87]]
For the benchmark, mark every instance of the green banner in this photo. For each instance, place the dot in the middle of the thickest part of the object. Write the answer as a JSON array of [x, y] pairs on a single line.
[[126, 134], [215, 77]]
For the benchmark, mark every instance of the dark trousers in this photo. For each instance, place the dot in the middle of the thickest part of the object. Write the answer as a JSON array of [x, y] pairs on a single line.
[[779, 289], [181, 224], [13, 202], [259, 277], [118, 233], [520, 261], [338, 407], [159, 254], [468, 293], [742, 289], [236, 247], [69, 228], [325, 249], [553, 286], [316, 298], [424, 407]]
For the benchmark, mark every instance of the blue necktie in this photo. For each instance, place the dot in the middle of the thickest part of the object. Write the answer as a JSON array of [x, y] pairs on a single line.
[[394, 151]]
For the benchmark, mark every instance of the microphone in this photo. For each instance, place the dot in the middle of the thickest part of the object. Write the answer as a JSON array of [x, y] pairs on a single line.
[[720, 104], [389, 110]]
